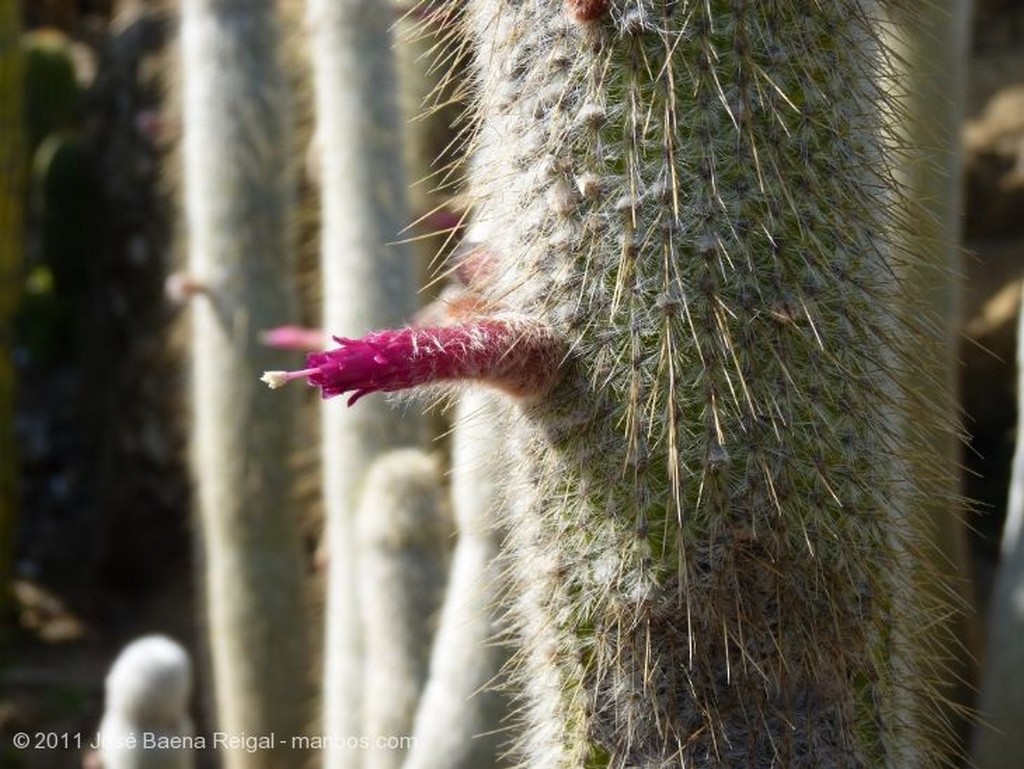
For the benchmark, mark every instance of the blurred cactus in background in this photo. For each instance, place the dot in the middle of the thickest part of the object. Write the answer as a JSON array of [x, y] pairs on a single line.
[[404, 530], [368, 282], [148, 690], [12, 248], [460, 722], [999, 738], [52, 97], [432, 86], [65, 210], [238, 195], [64, 204]]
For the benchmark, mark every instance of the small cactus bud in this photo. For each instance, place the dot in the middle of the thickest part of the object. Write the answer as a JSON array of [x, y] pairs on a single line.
[[586, 10]]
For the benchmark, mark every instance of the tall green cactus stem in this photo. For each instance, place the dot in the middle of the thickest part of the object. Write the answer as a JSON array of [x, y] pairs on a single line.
[[404, 531], [366, 283], [12, 246], [712, 523], [459, 723], [237, 198], [999, 740], [931, 47]]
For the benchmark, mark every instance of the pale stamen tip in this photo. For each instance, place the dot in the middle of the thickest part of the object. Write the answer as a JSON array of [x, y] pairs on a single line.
[[275, 379]]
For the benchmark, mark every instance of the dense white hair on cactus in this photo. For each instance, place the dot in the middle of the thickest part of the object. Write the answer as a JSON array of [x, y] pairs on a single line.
[[459, 718], [147, 691], [404, 532], [711, 521], [713, 524]]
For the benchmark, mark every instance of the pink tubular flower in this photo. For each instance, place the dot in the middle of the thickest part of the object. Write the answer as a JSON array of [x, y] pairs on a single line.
[[294, 338], [511, 354]]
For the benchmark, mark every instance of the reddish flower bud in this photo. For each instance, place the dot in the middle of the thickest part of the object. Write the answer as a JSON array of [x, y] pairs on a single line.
[[586, 10]]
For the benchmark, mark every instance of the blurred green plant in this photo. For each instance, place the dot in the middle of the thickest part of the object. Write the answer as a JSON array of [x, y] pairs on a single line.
[[62, 212], [61, 201]]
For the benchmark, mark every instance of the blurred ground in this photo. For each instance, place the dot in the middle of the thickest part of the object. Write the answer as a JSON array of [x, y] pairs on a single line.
[[100, 561]]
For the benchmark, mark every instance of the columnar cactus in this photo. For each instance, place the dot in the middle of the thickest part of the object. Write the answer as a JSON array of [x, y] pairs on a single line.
[[711, 516], [237, 198], [404, 530], [688, 208], [460, 719], [145, 718], [366, 283]]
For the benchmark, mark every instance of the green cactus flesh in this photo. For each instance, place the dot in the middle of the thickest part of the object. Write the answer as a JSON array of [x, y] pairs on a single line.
[[711, 520]]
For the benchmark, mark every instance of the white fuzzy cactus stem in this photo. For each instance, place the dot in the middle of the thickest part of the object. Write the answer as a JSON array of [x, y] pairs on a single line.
[[147, 693], [459, 721], [404, 532], [367, 283], [999, 739], [237, 197], [713, 528]]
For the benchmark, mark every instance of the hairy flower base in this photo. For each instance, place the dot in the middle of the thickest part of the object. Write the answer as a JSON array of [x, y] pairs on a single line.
[[512, 354]]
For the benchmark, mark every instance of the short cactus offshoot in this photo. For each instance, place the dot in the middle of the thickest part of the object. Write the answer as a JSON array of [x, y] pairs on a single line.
[[147, 693], [712, 528]]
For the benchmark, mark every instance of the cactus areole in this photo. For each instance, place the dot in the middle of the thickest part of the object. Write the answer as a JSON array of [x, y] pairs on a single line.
[[687, 204]]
